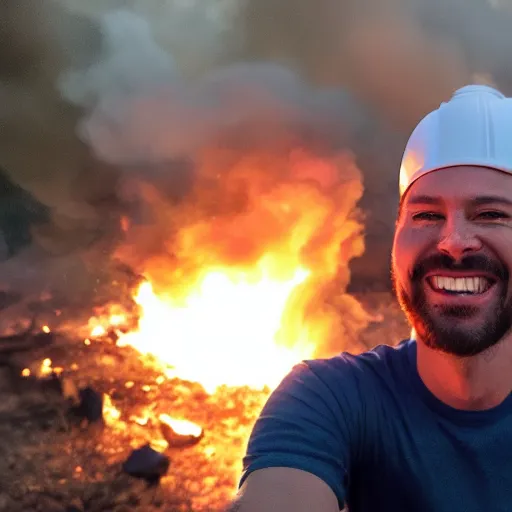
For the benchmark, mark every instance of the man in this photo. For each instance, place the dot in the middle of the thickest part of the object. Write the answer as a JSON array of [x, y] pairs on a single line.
[[426, 425]]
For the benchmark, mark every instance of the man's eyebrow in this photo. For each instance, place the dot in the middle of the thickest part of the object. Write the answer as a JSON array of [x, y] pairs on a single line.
[[481, 200]]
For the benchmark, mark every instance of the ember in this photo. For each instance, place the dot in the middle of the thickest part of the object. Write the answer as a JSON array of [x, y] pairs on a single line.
[[180, 433]]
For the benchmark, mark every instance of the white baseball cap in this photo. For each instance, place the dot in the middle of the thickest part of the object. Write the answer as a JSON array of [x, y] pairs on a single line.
[[473, 128]]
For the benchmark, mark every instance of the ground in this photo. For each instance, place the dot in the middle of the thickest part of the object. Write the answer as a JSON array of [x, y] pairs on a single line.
[[52, 461]]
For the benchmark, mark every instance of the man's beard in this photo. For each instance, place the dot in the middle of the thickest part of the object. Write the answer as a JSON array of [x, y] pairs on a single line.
[[437, 325]]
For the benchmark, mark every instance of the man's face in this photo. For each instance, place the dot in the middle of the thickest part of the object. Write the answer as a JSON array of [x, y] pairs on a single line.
[[452, 256]]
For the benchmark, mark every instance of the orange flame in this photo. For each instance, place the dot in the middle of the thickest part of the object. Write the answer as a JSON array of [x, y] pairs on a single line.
[[250, 290], [201, 338]]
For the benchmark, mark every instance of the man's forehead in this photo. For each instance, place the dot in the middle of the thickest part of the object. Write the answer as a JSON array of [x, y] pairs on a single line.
[[475, 184], [473, 199]]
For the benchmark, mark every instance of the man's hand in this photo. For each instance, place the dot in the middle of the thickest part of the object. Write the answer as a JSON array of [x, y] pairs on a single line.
[[284, 490]]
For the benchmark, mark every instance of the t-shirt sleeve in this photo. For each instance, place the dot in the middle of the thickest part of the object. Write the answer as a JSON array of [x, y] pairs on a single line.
[[306, 424]]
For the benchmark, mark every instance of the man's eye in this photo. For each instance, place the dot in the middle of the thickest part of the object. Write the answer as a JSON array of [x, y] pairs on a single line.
[[427, 216], [492, 214]]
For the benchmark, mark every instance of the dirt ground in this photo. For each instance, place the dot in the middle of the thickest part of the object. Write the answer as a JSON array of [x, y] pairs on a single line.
[[51, 460]]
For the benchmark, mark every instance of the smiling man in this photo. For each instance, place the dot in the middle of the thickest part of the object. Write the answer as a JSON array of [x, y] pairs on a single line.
[[426, 425]]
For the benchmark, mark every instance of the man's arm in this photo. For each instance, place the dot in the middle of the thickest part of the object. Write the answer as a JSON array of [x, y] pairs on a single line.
[[284, 490], [299, 453]]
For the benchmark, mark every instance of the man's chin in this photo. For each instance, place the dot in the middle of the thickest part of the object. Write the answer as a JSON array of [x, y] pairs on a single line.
[[459, 318], [462, 337]]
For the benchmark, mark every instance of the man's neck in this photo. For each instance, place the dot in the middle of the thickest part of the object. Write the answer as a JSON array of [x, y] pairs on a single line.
[[473, 383]]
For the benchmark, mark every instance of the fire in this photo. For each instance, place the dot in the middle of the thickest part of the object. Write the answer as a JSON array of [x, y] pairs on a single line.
[[206, 337], [98, 331], [250, 291], [108, 318], [111, 414]]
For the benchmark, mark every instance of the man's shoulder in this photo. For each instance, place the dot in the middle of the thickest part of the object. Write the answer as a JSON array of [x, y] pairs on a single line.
[[349, 380], [383, 361]]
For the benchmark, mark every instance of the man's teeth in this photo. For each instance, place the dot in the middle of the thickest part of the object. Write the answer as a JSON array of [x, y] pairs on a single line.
[[461, 284]]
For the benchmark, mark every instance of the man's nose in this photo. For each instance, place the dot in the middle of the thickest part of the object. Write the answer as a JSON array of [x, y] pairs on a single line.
[[457, 238]]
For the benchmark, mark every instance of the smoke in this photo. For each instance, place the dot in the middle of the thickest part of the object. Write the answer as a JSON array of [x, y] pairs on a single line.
[[142, 111], [401, 56], [144, 115], [92, 102]]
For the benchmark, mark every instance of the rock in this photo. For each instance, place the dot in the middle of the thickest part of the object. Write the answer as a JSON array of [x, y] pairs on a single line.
[[147, 464]]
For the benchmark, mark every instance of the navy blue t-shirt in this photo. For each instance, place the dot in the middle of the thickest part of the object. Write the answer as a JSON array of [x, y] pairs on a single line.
[[370, 428]]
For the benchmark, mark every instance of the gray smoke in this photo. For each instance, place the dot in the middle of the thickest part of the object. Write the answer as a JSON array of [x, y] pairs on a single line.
[[142, 111]]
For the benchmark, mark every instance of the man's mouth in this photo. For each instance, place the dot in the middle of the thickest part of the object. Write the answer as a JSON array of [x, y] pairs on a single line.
[[460, 285]]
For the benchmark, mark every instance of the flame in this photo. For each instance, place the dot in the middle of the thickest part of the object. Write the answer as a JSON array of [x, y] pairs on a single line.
[[228, 306], [252, 290], [109, 318], [181, 427], [111, 414], [98, 331], [140, 420]]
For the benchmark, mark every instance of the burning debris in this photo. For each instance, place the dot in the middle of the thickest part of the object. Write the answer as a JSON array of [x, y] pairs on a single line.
[[180, 433]]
